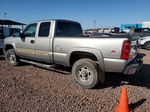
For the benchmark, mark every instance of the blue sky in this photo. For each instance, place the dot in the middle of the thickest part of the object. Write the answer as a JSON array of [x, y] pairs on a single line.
[[107, 13]]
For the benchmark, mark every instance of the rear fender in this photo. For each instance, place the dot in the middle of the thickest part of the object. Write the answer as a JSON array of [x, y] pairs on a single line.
[[95, 52]]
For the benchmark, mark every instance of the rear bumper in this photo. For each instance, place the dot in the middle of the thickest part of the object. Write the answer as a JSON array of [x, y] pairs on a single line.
[[124, 66], [114, 65], [135, 65]]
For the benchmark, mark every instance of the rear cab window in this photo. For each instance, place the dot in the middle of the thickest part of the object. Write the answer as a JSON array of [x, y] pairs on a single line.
[[68, 29]]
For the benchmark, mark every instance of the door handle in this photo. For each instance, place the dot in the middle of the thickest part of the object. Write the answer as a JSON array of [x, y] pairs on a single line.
[[32, 41]]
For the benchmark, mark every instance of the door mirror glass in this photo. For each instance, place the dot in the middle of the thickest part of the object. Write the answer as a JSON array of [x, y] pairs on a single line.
[[16, 34], [19, 34]]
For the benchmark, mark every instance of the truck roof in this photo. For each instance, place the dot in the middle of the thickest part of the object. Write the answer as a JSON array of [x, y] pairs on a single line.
[[63, 20]]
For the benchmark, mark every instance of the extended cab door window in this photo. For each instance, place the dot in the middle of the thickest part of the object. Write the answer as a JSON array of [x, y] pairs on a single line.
[[44, 29], [30, 30]]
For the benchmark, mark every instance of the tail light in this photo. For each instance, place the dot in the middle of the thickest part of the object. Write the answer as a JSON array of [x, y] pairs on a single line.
[[125, 49]]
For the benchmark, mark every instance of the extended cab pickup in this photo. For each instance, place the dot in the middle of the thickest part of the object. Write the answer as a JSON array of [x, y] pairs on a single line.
[[49, 42]]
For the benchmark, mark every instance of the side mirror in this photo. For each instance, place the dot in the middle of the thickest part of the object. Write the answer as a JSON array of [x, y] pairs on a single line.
[[16, 34], [19, 34]]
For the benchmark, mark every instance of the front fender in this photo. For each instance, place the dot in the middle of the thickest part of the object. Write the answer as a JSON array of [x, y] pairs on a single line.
[[9, 44]]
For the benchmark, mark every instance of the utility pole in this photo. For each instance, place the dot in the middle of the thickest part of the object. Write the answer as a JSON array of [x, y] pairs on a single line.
[[94, 24], [5, 15]]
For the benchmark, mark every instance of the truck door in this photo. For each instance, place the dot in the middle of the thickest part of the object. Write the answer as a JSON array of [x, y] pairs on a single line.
[[43, 44], [26, 46]]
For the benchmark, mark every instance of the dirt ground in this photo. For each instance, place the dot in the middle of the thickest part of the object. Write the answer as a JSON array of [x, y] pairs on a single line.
[[28, 88]]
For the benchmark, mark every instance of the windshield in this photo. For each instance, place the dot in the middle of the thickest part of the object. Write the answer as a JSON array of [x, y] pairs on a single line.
[[64, 28]]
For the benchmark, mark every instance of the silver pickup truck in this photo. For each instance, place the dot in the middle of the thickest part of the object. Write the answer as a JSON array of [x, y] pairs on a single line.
[[49, 42]]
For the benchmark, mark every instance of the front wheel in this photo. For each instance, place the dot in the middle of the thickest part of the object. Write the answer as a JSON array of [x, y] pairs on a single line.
[[85, 73], [11, 57]]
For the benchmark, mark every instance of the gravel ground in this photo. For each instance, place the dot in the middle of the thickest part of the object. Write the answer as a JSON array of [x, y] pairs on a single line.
[[28, 88]]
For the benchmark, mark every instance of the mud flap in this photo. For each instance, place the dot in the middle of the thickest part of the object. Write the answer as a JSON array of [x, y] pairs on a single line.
[[101, 75]]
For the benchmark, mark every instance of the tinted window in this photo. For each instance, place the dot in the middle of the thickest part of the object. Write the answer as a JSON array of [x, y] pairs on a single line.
[[30, 30], [68, 29], [44, 29]]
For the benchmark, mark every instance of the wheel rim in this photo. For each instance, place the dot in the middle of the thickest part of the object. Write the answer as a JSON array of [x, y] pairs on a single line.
[[84, 74], [148, 46], [11, 58]]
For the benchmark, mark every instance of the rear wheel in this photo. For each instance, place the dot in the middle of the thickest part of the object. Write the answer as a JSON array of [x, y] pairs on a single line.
[[11, 57], [85, 73], [147, 45]]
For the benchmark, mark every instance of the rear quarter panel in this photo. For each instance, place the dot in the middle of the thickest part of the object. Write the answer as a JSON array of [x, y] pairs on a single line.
[[109, 47]]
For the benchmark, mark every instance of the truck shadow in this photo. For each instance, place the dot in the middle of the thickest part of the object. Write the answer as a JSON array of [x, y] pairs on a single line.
[[141, 79], [114, 80]]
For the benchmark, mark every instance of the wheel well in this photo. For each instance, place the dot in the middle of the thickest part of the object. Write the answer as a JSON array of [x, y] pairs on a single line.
[[147, 42], [8, 47], [79, 55]]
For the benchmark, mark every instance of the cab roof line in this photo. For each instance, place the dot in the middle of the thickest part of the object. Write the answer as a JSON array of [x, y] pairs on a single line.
[[54, 20]]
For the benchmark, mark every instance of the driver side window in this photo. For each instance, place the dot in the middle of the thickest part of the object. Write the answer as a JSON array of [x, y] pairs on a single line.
[[30, 30]]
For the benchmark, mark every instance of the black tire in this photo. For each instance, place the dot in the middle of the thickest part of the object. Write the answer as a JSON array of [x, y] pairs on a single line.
[[147, 45], [11, 57], [85, 73]]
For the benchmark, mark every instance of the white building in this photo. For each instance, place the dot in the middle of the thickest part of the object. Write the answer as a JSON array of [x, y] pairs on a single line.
[[146, 24]]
